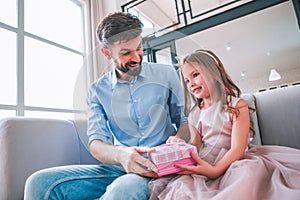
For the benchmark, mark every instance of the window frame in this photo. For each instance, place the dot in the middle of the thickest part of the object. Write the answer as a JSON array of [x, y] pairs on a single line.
[[20, 32]]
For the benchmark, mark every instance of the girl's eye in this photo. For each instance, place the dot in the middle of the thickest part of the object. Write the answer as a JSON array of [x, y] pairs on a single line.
[[187, 81], [195, 75]]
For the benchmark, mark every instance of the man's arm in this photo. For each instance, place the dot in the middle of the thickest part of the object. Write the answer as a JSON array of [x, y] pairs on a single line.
[[176, 107], [129, 157]]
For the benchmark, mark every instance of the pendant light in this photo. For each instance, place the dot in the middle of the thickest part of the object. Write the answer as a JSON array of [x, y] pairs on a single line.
[[274, 75]]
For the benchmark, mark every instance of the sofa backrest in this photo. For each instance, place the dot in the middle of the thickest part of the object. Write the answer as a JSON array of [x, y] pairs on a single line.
[[278, 114], [29, 144], [80, 126]]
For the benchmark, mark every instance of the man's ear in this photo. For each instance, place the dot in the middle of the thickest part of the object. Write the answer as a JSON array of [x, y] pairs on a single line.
[[106, 53]]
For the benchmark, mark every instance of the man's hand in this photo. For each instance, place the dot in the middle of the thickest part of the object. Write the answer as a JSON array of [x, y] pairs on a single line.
[[129, 157], [174, 139], [133, 162]]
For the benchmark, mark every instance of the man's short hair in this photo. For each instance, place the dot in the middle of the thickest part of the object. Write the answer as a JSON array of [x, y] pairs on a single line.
[[117, 27]]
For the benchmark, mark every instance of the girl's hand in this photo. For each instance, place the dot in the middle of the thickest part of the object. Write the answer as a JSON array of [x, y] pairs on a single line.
[[202, 168], [174, 139]]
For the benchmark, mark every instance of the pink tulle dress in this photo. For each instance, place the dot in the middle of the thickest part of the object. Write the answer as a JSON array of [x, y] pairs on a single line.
[[266, 172]]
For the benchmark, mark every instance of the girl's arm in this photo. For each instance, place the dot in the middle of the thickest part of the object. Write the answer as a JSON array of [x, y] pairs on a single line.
[[239, 139], [239, 142]]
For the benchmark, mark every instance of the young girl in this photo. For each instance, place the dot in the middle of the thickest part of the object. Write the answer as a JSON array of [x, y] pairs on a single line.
[[227, 166]]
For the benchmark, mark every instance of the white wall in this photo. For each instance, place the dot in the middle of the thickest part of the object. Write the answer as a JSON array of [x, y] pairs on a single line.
[[254, 85]]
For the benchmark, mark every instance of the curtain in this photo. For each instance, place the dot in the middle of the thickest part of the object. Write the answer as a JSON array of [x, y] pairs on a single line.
[[95, 62], [95, 65]]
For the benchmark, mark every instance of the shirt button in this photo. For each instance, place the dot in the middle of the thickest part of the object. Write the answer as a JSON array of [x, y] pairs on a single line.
[[134, 100], [139, 116]]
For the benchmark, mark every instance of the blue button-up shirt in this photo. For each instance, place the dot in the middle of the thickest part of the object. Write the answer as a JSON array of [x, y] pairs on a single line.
[[143, 112]]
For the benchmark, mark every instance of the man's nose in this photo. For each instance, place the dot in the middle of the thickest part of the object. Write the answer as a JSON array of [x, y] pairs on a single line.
[[135, 56]]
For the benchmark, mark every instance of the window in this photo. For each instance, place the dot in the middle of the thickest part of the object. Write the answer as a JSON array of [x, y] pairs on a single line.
[[8, 12], [8, 67], [43, 47]]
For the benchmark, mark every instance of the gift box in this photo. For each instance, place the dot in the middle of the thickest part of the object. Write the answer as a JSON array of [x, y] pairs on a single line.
[[167, 155]]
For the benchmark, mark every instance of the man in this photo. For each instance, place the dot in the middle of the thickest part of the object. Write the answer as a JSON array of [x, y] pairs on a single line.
[[132, 108]]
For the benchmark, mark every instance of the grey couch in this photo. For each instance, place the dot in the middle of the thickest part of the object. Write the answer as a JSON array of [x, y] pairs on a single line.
[[28, 144]]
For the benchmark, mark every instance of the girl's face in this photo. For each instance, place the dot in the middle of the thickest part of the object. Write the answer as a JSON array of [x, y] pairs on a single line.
[[194, 80]]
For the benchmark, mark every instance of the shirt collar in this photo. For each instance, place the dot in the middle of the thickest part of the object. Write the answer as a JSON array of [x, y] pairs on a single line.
[[115, 80]]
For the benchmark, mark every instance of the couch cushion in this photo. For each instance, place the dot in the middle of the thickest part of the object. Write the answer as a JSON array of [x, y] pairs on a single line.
[[278, 112]]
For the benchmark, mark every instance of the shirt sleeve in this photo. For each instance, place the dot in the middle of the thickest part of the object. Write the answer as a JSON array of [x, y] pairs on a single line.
[[97, 119], [176, 99]]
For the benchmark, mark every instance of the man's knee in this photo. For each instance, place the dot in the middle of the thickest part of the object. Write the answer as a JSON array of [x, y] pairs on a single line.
[[129, 186], [36, 185]]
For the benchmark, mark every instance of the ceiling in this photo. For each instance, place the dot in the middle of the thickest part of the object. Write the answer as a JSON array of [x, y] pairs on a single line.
[[259, 42]]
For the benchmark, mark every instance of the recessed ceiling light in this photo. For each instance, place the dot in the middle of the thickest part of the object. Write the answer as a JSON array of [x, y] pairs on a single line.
[[228, 46]]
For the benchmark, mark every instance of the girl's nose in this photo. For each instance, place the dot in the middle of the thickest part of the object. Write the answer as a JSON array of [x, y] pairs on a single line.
[[191, 83]]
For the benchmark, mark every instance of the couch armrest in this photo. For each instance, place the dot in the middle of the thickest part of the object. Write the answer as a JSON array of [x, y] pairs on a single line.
[[250, 99], [28, 145]]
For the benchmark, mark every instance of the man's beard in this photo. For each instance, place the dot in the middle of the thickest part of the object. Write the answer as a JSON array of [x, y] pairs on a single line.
[[131, 72]]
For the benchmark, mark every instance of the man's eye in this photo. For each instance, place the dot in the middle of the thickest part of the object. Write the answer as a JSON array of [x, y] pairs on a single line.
[[125, 53]]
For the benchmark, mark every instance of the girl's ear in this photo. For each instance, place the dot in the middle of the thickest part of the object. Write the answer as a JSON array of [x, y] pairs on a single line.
[[105, 51]]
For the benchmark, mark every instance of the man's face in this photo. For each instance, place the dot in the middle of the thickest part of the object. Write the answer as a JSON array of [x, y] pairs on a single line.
[[127, 56]]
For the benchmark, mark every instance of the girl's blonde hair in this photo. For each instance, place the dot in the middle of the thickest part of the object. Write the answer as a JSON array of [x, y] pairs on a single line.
[[225, 87]]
